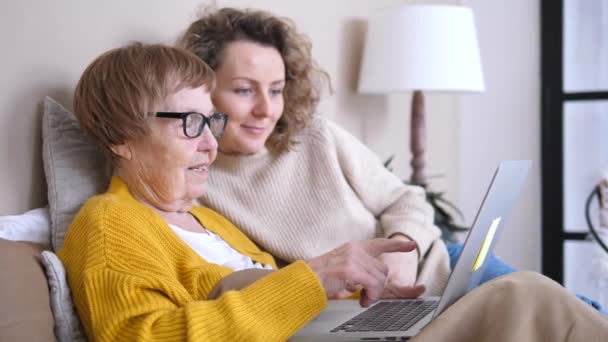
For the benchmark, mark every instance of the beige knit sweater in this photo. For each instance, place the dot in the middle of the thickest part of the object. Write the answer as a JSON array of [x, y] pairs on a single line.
[[329, 190]]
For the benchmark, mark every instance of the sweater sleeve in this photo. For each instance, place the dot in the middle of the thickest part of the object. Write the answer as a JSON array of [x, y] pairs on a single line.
[[125, 307], [134, 280], [399, 207]]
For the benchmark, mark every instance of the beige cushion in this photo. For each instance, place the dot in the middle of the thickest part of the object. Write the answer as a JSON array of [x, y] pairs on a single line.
[[74, 168], [25, 311], [67, 324]]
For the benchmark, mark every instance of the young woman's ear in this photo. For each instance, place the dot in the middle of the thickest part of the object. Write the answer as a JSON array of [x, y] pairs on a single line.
[[123, 151]]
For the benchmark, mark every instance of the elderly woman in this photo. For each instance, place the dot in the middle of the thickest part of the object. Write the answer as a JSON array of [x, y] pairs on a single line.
[[143, 262]]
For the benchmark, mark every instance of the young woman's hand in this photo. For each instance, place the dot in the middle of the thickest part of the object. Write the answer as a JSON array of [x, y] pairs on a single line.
[[402, 267], [356, 266]]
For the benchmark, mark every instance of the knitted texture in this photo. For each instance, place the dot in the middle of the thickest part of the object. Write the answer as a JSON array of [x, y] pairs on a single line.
[[329, 190], [133, 279]]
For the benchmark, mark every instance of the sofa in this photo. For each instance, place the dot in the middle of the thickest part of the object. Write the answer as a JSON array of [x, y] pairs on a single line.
[[25, 312], [35, 297], [35, 301]]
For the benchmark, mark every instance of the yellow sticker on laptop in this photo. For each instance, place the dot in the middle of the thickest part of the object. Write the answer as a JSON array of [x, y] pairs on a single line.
[[481, 257]]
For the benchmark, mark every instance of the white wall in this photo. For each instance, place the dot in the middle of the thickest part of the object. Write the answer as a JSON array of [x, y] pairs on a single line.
[[45, 47], [504, 121], [47, 44]]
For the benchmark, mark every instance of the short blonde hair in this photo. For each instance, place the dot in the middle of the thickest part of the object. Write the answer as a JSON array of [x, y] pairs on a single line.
[[123, 87], [208, 37]]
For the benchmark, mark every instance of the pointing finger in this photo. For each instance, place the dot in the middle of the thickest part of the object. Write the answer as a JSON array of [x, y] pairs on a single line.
[[376, 247]]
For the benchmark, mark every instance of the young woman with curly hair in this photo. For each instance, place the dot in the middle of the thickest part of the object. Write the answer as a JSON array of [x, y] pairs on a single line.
[[296, 183], [269, 85]]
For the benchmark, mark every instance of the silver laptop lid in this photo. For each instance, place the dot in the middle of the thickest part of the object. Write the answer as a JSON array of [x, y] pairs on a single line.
[[491, 217]]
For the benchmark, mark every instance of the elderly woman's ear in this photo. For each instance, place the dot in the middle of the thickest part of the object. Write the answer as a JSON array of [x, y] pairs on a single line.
[[123, 151]]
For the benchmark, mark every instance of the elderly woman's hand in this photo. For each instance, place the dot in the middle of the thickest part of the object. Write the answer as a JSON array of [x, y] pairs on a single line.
[[355, 265]]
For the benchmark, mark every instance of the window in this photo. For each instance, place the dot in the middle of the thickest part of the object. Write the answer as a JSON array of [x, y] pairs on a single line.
[[574, 133]]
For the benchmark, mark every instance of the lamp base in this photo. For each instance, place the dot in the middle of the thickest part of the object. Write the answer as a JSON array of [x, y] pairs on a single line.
[[418, 139]]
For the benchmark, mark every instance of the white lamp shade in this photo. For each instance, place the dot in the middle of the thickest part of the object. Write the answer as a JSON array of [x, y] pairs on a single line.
[[421, 47]]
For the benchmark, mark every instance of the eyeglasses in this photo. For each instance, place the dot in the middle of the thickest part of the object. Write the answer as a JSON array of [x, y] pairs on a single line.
[[194, 123]]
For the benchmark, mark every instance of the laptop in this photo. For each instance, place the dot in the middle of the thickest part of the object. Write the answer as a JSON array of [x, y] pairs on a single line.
[[397, 320]]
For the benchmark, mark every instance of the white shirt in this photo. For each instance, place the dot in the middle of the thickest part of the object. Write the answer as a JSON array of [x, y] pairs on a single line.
[[215, 250]]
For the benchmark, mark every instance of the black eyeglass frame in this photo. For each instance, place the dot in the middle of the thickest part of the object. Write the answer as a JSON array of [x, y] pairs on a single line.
[[206, 121]]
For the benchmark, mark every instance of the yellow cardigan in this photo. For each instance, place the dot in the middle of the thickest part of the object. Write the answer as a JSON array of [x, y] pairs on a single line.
[[133, 279]]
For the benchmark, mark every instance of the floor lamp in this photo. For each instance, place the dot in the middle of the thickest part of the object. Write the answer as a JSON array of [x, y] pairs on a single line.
[[420, 48]]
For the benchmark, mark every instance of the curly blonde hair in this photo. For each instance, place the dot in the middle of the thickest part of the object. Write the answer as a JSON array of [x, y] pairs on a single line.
[[208, 36]]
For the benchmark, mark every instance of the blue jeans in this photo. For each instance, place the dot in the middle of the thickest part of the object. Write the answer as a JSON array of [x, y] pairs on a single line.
[[497, 267]]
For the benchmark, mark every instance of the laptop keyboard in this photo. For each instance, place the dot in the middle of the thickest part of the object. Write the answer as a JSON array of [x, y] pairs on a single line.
[[389, 316]]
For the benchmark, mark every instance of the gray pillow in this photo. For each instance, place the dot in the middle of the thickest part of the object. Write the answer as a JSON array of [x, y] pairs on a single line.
[[67, 324], [74, 167]]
